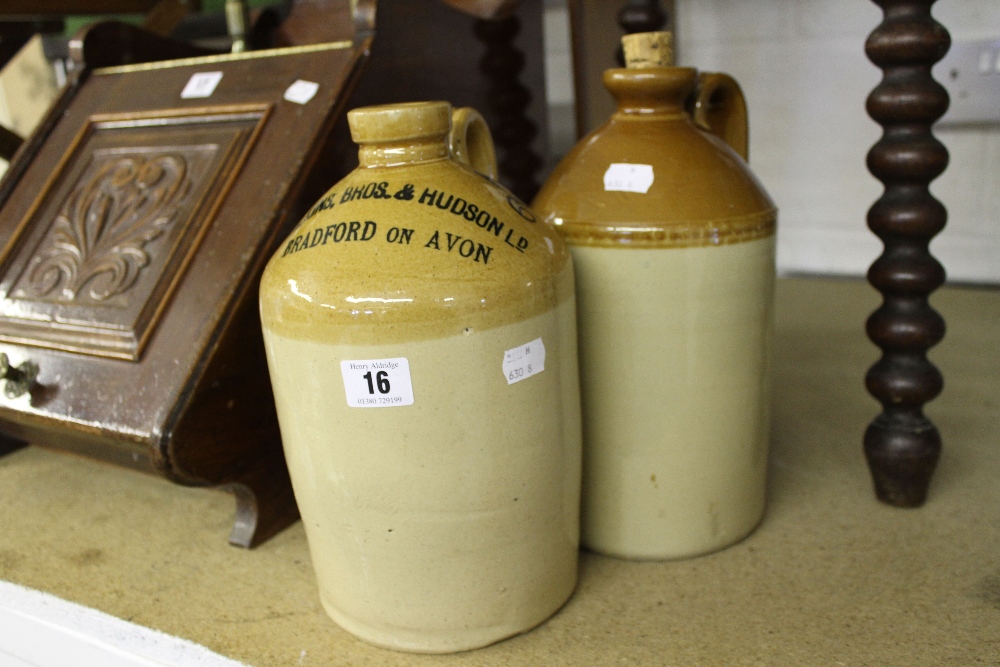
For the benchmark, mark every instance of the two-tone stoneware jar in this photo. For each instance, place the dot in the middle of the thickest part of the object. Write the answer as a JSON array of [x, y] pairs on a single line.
[[673, 241], [420, 332]]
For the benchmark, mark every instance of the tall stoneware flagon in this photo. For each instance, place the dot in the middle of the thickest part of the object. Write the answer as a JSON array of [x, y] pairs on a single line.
[[420, 332], [673, 241]]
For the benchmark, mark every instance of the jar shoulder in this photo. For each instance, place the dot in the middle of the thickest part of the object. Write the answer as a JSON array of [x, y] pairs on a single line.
[[650, 172], [404, 245]]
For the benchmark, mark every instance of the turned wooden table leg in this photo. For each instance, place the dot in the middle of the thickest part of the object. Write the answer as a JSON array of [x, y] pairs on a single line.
[[902, 446], [508, 101], [640, 16]]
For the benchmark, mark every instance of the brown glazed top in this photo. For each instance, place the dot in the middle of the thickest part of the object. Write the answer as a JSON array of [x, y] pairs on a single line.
[[412, 245], [702, 192]]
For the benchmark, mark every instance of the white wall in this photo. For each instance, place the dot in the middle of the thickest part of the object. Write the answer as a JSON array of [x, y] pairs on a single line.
[[802, 67], [559, 94]]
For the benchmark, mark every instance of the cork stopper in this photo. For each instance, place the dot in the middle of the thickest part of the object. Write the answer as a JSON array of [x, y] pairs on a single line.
[[648, 49]]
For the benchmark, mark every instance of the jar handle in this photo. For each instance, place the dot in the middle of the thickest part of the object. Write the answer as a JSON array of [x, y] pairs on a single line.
[[721, 109], [472, 143]]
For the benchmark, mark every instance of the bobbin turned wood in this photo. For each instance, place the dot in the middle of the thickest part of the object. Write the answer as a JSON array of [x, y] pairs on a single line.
[[508, 100], [640, 16], [902, 445]]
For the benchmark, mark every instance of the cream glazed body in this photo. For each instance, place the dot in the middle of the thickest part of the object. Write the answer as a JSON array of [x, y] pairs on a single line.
[[673, 242], [442, 515], [676, 398]]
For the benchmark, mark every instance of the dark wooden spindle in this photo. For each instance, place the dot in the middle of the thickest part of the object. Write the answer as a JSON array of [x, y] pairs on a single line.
[[902, 445], [508, 99], [640, 16]]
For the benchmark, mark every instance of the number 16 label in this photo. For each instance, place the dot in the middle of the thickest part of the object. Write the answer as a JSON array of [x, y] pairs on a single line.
[[377, 383]]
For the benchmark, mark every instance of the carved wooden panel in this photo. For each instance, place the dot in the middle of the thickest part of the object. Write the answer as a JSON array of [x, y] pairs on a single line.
[[134, 226], [96, 259]]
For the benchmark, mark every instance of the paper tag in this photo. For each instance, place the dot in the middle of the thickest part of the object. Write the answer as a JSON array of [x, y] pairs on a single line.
[[377, 383], [301, 91], [524, 361], [201, 84], [624, 177]]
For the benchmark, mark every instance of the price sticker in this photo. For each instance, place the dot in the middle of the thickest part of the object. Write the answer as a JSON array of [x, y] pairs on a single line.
[[521, 362], [301, 91], [201, 84], [377, 383], [625, 177]]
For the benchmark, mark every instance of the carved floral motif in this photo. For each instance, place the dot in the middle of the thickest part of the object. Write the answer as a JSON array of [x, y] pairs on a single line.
[[97, 244]]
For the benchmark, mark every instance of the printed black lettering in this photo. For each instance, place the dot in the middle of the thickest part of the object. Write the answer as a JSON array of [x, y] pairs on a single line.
[[380, 192], [347, 195], [290, 246], [328, 234], [521, 208], [446, 204], [352, 232], [483, 251], [317, 236], [469, 248], [397, 235], [322, 205], [338, 233], [494, 226], [369, 230]]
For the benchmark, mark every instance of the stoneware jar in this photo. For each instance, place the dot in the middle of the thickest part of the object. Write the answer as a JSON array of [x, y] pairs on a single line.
[[420, 332], [673, 242]]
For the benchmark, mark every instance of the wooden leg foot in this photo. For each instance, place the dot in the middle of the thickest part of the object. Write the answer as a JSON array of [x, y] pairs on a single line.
[[902, 459], [265, 505]]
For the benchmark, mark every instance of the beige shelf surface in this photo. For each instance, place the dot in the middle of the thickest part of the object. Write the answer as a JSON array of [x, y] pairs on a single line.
[[831, 577]]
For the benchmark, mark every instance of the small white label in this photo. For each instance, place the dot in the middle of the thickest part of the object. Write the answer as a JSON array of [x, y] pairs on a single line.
[[524, 361], [624, 177], [201, 84], [377, 383], [301, 91]]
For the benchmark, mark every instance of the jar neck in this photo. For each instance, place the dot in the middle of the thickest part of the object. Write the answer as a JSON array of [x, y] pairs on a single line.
[[411, 151], [659, 92]]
